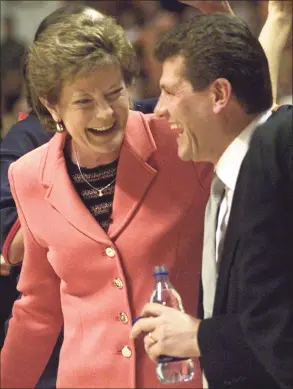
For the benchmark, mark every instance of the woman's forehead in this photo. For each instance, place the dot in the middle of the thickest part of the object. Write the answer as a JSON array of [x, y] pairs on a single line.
[[99, 80]]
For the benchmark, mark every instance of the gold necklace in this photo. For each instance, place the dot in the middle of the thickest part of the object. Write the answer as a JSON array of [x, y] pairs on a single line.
[[99, 191]]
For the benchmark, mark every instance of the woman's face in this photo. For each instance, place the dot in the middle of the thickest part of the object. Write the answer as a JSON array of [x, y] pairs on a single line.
[[94, 110]]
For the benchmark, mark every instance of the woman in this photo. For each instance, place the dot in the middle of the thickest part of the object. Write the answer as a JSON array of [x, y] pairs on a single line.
[[100, 205], [23, 137]]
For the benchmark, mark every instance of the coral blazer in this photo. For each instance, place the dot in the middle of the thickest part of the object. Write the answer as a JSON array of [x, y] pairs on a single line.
[[94, 282]]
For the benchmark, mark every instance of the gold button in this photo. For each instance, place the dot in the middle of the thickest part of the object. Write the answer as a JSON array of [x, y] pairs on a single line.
[[110, 252], [118, 282], [126, 352], [123, 317]]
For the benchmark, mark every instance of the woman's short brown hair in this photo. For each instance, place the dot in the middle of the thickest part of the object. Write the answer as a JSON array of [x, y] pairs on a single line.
[[79, 44]]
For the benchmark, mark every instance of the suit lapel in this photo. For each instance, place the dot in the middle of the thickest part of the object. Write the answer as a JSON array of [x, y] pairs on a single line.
[[134, 176], [228, 253]]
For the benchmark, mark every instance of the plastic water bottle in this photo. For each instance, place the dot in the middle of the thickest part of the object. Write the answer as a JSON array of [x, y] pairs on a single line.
[[170, 369]]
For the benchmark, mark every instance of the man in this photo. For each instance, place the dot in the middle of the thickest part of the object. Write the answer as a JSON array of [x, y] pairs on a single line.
[[216, 91]]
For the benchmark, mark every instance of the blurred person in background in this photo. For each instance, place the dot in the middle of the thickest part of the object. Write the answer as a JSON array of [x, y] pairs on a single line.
[[12, 52]]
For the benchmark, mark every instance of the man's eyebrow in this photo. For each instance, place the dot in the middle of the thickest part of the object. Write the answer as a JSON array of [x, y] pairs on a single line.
[[172, 87]]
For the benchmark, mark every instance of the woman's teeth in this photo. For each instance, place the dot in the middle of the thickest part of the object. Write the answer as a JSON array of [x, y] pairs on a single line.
[[100, 129]]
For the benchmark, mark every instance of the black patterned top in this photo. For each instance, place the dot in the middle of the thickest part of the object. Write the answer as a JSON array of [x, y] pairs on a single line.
[[99, 177]]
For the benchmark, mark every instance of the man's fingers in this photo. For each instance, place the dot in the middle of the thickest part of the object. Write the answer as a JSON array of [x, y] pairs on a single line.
[[147, 324], [154, 309], [153, 349]]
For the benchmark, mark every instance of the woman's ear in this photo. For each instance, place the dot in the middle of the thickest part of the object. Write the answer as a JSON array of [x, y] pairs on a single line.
[[52, 108]]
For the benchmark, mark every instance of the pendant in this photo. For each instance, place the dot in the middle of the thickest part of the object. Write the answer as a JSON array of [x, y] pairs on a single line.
[[100, 193]]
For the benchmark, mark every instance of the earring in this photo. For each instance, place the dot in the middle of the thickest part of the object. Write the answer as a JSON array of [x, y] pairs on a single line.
[[60, 127]]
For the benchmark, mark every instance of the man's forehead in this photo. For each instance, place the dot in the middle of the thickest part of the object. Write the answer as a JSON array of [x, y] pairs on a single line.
[[173, 70]]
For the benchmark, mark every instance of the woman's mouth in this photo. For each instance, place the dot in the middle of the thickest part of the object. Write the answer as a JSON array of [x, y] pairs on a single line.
[[101, 130]]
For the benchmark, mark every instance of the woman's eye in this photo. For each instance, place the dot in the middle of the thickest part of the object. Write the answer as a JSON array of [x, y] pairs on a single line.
[[113, 95]]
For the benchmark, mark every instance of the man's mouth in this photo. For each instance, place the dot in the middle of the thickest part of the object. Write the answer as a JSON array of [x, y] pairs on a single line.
[[101, 130], [176, 128]]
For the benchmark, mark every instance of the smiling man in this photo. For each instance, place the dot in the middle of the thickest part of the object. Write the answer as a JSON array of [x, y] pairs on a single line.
[[216, 92]]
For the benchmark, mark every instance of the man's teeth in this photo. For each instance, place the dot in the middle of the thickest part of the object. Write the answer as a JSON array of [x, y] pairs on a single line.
[[175, 126]]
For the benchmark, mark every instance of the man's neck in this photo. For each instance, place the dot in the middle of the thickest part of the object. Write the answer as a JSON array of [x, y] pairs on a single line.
[[231, 128]]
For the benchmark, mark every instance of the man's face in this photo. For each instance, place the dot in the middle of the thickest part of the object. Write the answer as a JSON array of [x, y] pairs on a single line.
[[187, 111]]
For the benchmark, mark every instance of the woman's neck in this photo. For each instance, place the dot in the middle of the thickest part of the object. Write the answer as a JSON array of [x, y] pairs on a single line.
[[90, 160]]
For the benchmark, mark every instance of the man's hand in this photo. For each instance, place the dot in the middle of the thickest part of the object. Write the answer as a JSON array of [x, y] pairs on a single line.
[[173, 333], [4, 267], [207, 6]]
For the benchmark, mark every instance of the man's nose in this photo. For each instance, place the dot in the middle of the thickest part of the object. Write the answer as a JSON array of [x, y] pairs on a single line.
[[161, 111]]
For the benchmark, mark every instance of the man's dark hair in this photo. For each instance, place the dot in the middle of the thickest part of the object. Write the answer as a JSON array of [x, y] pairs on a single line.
[[221, 46]]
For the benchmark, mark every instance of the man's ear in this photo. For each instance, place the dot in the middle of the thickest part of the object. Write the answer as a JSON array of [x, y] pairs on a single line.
[[222, 93], [52, 108]]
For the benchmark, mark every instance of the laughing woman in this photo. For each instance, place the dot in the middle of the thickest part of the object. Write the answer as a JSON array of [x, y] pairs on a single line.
[[100, 205]]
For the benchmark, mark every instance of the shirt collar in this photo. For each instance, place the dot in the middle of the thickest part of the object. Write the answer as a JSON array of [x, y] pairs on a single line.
[[228, 166]]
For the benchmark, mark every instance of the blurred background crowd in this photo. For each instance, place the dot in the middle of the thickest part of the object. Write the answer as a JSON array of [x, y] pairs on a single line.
[[143, 21]]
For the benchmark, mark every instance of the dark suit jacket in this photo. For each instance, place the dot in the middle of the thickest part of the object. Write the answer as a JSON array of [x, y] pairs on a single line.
[[23, 137], [248, 343]]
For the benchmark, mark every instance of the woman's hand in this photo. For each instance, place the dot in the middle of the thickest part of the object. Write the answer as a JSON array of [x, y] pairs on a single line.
[[274, 36], [207, 6], [281, 8], [4, 267]]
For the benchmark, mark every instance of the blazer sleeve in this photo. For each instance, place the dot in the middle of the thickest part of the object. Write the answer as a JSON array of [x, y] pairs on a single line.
[[22, 137], [36, 317]]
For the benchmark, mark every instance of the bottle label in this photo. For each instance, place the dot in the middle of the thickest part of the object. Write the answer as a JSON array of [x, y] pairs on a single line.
[[167, 359]]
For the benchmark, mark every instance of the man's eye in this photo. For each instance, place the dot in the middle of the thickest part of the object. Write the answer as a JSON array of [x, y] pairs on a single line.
[[83, 101]]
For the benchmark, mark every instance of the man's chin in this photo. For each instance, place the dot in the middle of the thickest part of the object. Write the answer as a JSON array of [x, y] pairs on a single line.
[[184, 155]]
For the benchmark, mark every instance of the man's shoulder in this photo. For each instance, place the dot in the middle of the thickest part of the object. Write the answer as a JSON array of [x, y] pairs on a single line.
[[271, 147], [276, 130], [26, 135]]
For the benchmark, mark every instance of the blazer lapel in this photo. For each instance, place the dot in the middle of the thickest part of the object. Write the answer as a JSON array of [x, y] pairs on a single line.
[[62, 195], [228, 253], [134, 175]]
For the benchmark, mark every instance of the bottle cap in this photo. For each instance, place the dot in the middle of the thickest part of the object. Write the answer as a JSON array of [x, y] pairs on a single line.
[[160, 271]]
